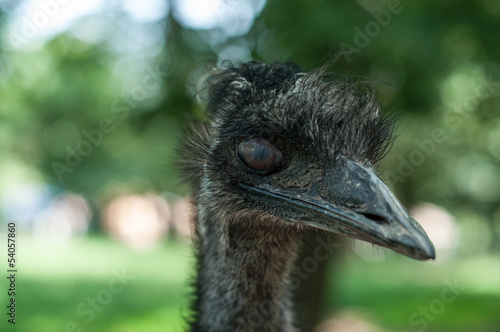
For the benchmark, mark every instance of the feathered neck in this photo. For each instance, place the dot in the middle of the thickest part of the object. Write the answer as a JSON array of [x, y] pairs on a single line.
[[244, 265]]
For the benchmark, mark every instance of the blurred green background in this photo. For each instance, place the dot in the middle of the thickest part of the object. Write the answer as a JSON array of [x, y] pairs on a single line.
[[92, 98]]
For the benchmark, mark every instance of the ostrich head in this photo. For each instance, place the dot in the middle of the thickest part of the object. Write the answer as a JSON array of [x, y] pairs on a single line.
[[283, 150]]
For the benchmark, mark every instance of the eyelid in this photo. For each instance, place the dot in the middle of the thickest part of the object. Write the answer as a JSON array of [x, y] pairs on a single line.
[[248, 151]]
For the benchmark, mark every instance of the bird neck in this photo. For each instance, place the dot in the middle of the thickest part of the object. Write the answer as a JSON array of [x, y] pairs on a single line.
[[243, 271]]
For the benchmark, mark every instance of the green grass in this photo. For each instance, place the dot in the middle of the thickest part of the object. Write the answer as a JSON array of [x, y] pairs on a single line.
[[395, 290], [55, 279]]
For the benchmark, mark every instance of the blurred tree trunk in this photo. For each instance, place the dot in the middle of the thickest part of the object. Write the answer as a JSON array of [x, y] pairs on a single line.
[[318, 257]]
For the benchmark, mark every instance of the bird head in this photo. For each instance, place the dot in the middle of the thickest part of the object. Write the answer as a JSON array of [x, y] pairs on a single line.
[[302, 149]]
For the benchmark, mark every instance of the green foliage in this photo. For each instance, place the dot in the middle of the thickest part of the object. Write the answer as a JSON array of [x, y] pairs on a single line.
[[433, 56]]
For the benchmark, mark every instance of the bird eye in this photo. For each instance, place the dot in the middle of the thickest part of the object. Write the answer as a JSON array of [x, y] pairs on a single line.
[[259, 154]]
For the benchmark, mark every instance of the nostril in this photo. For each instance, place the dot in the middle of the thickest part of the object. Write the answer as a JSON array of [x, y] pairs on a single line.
[[355, 205], [375, 217]]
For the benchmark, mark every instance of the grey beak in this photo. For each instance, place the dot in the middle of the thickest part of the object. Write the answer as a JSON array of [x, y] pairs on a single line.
[[351, 199]]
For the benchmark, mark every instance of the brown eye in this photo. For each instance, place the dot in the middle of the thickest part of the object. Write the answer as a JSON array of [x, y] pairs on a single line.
[[259, 154]]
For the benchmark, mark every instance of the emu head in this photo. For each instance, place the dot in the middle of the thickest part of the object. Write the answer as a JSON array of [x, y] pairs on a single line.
[[296, 150]]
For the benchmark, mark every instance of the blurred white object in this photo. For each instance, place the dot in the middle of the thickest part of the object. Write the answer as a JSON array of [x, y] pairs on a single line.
[[181, 217], [348, 320], [138, 221], [67, 215], [440, 226]]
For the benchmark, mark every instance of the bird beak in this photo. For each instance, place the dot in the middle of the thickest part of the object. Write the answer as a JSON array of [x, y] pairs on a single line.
[[351, 199]]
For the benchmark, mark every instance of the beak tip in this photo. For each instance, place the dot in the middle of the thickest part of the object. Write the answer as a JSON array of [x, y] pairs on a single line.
[[431, 253], [418, 248], [425, 252]]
